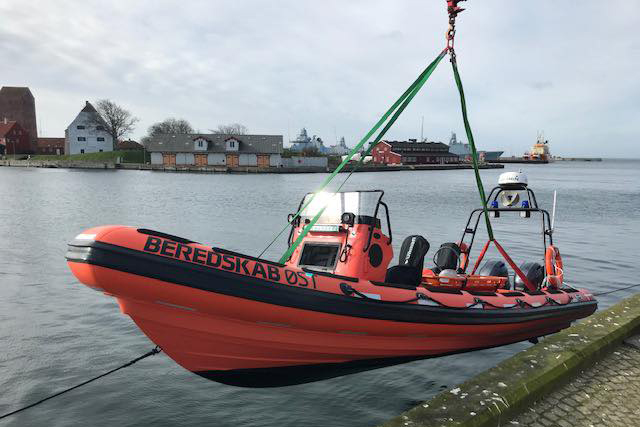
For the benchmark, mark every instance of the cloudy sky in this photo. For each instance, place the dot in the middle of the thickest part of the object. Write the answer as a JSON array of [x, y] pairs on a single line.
[[568, 68]]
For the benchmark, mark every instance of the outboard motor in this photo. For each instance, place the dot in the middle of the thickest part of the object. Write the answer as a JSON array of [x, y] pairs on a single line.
[[446, 258], [493, 267], [409, 271], [532, 271]]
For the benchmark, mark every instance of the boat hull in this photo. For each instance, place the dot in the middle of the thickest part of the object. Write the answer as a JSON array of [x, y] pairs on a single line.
[[241, 330]]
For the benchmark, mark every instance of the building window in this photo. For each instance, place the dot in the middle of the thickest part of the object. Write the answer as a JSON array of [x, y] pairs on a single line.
[[82, 138], [99, 127], [80, 127], [200, 144], [100, 139], [232, 144], [82, 151]]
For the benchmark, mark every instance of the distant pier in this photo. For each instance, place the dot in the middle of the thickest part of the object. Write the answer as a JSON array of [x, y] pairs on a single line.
[[578, 159], [518, 160], [240, 169]]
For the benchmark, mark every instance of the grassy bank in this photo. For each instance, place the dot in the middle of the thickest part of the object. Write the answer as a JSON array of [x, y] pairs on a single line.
[[110, 156]]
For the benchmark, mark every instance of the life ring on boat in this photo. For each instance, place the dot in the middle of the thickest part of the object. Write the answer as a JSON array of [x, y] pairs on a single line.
[[553, 264], [464, 255]]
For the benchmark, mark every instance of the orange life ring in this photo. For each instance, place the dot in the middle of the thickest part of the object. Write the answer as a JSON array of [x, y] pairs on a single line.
[[553, 263], [464, 254]]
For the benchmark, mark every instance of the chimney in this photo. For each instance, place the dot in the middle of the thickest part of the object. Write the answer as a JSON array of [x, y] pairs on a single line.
[[6, 121]]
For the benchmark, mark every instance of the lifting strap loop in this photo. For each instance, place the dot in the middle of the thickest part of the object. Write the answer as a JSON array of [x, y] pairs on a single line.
[[474, 152], [397, 108]]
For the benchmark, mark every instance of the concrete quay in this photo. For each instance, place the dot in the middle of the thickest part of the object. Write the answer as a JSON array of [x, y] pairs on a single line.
[[604, 395], [583, 376]]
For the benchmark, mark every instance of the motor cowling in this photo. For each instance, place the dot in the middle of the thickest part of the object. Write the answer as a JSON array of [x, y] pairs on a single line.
[[493, 267], [533, 271]]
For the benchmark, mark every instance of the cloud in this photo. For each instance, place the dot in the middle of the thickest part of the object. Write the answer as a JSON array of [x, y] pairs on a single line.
[[541, 85], [335, 66]]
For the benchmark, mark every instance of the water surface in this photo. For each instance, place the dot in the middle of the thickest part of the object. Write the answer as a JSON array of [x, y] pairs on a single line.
[[56, 332]]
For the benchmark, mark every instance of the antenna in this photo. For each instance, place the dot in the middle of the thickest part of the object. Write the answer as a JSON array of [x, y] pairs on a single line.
[[553, 211], [422, 130]]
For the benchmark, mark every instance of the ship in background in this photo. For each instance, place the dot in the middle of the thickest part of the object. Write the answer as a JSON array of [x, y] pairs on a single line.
[[463, 151], [540, 150]]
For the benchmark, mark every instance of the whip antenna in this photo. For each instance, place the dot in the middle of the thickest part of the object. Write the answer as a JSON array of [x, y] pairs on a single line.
[[553, 211]]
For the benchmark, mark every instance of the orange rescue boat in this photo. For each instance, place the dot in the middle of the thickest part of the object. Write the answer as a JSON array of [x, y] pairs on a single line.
[[334, 307]]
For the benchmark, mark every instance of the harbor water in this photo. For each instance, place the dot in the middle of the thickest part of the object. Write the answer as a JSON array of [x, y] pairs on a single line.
[[56, 332]]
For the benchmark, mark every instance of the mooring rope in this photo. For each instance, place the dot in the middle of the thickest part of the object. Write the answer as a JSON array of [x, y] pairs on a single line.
[[156, 350], [616, 290]]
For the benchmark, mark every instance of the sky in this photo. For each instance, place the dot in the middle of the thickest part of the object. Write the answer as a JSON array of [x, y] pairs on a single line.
[[566, 68]]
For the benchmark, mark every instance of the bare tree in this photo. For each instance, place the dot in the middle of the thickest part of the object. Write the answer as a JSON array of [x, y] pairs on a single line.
[[116, 120], [170, 125], [231, 129]]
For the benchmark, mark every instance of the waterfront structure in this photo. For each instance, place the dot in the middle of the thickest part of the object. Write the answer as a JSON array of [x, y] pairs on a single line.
[[50, 146], [13, 138], [304, 142], [261, 151], [18, 104], [412, 152], [463, 151], [87, 133], [305, 162]]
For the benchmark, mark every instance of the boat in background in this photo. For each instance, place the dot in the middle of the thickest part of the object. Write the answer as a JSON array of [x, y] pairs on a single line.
[[540, 150], [463, 151]]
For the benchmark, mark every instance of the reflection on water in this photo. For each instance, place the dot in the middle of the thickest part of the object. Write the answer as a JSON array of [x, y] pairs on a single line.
[[56, 332]]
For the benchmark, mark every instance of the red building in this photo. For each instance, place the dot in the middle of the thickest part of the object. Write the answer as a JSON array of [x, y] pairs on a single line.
[[50, 146], [14, 139], [412, 152]]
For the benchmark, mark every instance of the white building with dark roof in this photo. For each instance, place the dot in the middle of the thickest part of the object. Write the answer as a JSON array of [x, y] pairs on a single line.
[[87, 133], [261, 151]]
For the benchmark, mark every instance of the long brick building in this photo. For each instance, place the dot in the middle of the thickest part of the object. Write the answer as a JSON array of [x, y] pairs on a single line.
[[412, 152]]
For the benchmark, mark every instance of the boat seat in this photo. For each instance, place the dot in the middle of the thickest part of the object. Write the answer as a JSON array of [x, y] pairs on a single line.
[[411, 262], [446, 257]]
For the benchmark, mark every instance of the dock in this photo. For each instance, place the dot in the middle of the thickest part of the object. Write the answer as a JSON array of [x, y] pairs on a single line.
[[588, 374], [235, 170], [503, 160], [578, 159]]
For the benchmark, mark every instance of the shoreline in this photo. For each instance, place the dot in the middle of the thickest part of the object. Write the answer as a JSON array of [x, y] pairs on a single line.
[[53, 164], [495, 396]]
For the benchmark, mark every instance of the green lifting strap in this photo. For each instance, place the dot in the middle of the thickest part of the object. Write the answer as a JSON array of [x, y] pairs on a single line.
[[474, 152], [396, 109]]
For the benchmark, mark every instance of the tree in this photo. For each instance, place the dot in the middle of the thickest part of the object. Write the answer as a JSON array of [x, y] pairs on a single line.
[[170, 126], [116, 120], [231, 129]]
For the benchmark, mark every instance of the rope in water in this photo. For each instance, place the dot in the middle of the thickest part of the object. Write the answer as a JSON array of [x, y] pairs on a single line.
[[616, 290], [156, 350]]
